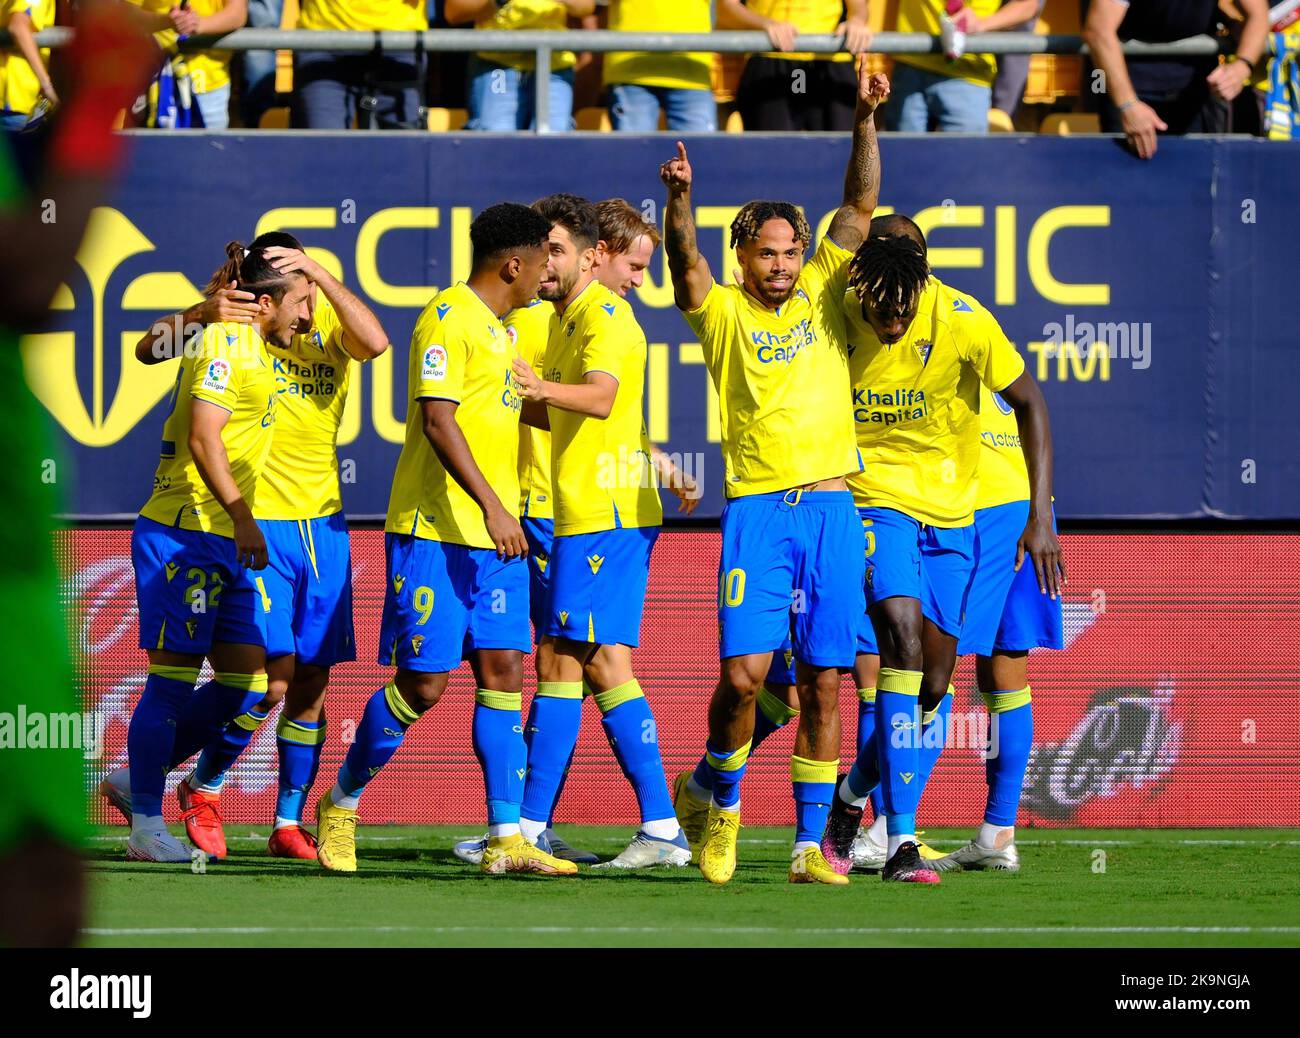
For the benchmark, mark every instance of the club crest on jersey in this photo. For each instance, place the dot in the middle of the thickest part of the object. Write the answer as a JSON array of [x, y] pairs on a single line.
[[512, 336], [433, 368], [217, 377], [923, 347], [572, 326]]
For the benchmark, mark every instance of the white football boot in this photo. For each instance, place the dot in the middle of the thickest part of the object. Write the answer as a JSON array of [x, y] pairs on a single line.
[[975, 857], [116, 789], [866, 853], [471, 851], [645, 851], [159, 846]]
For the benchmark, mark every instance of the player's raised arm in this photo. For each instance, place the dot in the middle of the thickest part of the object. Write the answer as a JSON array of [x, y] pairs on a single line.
[[690, 273], [448, 441], [1038, 541], [363, 336], [849, 226]]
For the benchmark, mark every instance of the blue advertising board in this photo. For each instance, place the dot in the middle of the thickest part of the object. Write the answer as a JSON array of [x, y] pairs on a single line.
[[1150, 299]]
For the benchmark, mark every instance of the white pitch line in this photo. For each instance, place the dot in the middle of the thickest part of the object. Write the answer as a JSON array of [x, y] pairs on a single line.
[[865, 931]]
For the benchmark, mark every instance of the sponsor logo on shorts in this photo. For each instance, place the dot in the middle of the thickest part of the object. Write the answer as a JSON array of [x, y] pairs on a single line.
[[595, 562], [171, 569], [907, 776], [398, 582], [564, 617]]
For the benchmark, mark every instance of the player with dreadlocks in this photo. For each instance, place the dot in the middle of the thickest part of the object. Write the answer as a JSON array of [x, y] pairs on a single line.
[[918, 352], [775, 348]]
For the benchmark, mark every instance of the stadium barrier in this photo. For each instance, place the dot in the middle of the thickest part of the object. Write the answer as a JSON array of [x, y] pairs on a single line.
[[1174, 702]]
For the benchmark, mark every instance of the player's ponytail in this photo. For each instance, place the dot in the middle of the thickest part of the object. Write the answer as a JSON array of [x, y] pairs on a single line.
[[249, 268]]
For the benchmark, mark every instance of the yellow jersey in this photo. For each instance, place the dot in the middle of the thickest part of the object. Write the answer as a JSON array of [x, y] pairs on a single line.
[[782, 377], [923, 16], [398, 15], [691, 71], [529, 14], [1003, 474], [19, 87], [810, 17], [916, 405], [232, 369], [603, 475], [209, 69], [527, 330], [459, 352], [312, 377]]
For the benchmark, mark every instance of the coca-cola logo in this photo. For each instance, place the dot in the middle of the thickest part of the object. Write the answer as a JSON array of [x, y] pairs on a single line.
[[1126, 739]]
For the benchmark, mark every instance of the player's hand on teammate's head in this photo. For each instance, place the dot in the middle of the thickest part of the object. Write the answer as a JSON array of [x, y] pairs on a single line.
[[528, 381], [229, 304], [873, 87], [289, 261], [1039, 542], [676, 172]]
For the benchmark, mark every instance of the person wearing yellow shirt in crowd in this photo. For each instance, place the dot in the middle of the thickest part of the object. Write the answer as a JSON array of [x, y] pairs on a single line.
[[919, 353], [196, 538], [804, 91], [331, 89], [935, 92], [308, 580], [501, 85], [775, 347], [607, 518], [640, 85], [209, 69], [24, 77], [457, 584]]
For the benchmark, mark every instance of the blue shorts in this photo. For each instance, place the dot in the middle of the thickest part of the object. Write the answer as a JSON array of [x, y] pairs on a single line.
[[598, 583], [910, 559], [1005, 611], [446, 601], [867, 644], [308, 582], [540, 533], [191, 591], [789, 572]]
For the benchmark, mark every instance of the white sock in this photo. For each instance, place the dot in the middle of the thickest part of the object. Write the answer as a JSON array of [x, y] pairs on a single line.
[[878, 830], [286, 823], [992, 836], [529, 828], [846, 795], [661, 828], [800, 847], [698, 791], [897, 841], [734, 809], [497, 832], [340, 799], [120, 779], [147, 823]]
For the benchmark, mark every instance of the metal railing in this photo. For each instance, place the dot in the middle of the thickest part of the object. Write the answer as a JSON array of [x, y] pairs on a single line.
[[544, 44]]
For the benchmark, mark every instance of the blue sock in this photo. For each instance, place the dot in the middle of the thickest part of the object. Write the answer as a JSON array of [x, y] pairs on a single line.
[[299, 744], [220, 754], [863, 778], [814, 785], [550, 735], [209, 710], [382, 728], [867, 765], [897, 700], [499, 746], [771, 714], [630, 727], [151, 735], [934, 736], [1011, 733]]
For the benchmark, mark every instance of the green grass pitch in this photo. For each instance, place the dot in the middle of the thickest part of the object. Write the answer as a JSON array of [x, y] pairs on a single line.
[[1076, 888]]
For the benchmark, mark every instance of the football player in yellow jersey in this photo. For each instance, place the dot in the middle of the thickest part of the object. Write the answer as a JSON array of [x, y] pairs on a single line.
[[607, 517], [774, 346], [920, 352], [308, 580], [196, 536], [457, 580]]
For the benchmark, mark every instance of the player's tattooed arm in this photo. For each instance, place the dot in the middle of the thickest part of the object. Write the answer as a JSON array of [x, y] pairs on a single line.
[[448, 441], [849, 226], [1038, 540], [690, 273], [363, 336], [168, 336]]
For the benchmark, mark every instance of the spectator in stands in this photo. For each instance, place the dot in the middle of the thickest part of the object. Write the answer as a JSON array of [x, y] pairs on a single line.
[[1013, 71], [502, 86], [258, 93], [933, 91], [24, 77], [1146, 96], [641, 84], [383, 91], [802, 91]]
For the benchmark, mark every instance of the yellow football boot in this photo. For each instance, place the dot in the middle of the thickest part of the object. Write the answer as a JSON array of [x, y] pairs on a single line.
[[692, 814], [811, 866], [516, 854], [928, 853], [336, 835], [717, 856]]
